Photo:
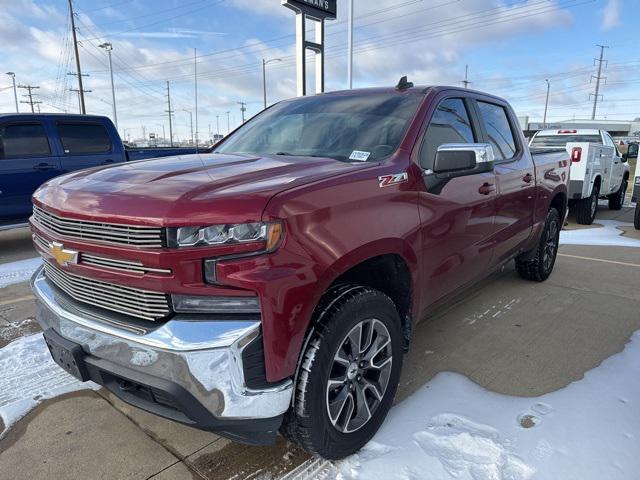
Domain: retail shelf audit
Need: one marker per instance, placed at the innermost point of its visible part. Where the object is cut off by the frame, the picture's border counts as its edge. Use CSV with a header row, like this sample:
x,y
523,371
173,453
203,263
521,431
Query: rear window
x,y
23,140
561,140
84,138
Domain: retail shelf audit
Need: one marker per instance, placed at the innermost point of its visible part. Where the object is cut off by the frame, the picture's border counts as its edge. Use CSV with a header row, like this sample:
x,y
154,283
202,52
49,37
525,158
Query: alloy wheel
x,y
359,375
550,246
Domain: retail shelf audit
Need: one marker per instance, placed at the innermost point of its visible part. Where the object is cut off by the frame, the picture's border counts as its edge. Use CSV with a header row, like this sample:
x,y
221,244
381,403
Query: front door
x,y
84,144
457,217
26,162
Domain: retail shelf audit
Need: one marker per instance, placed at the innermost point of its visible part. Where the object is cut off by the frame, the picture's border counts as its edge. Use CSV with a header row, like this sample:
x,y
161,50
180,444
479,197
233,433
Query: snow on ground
x,y
451,428
608,234
17,272
29,375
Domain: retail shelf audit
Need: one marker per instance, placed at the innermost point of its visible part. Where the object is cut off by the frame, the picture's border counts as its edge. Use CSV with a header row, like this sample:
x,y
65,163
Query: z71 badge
x,y
388,180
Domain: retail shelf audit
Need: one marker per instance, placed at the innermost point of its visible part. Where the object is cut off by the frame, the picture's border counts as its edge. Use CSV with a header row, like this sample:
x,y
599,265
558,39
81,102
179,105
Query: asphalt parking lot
x,y
507,335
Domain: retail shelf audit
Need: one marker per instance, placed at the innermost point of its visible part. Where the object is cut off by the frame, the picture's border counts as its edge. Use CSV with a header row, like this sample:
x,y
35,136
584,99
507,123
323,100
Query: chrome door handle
x,y
486,189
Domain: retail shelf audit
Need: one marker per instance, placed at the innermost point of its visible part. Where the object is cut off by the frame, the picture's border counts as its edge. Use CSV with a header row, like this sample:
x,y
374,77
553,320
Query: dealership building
x,y
617,128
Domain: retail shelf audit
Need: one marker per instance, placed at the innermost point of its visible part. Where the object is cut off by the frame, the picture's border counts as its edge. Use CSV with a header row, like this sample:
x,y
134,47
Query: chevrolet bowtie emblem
x,y
62,255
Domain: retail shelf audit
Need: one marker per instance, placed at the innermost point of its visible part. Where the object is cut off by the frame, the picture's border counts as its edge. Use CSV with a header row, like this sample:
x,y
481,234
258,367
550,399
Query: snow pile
x,y
17,272
608,234
29,375
454,429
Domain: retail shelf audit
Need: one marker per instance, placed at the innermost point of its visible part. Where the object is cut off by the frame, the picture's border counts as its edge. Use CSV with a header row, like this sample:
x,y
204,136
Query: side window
x,y
496,123
450,124
609,141
23,140
87,138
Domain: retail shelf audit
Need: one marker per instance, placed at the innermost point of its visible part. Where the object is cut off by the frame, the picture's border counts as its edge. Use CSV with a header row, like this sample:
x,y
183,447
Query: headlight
x,y
226,234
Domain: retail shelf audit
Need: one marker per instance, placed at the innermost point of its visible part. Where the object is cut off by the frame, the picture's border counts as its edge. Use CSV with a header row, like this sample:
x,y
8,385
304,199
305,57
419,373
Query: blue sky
x,y
511,47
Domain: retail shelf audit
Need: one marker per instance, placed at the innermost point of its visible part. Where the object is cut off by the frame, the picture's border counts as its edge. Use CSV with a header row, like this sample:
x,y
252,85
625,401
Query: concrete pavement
x,y
508,335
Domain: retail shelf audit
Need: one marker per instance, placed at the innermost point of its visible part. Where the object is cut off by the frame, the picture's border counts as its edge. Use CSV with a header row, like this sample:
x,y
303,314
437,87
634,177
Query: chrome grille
x,y
148,237
104,262
126,265
138,303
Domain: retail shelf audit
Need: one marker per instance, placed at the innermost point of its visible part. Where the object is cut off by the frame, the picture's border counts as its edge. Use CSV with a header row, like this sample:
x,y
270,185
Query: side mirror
x,y
625,157
458,159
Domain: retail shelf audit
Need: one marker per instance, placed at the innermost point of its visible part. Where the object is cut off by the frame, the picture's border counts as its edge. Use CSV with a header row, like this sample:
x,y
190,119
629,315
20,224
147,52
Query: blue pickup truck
x,y
37,147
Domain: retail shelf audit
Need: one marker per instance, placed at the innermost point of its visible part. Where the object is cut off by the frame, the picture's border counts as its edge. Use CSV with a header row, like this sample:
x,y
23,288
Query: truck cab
x,y
35,148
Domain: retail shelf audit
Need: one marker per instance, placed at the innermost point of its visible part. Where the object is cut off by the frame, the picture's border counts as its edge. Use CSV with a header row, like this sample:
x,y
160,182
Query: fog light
x,y
202,304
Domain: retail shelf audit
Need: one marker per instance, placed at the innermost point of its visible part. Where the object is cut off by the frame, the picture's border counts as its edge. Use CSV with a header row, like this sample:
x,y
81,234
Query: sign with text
x,y
321,9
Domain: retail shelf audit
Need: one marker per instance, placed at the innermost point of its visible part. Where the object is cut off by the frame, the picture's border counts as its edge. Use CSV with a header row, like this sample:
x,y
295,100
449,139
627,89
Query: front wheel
x,y
617,199
348,374
587,207
538,264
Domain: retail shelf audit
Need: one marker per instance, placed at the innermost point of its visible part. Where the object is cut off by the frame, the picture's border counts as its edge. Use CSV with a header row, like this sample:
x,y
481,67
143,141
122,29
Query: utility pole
x,y
599,77
108,47
350,47
195,74
170,112
546,103
228,123
243,108
31,101
466,81
15,91
75,47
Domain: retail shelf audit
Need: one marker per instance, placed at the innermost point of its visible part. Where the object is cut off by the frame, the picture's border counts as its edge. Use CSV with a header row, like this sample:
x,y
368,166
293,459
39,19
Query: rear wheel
x,y
587,207
617,199
348,375
538,264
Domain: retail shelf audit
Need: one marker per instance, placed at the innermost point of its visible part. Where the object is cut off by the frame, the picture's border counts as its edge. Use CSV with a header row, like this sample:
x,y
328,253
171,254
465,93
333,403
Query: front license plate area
x,y
67,354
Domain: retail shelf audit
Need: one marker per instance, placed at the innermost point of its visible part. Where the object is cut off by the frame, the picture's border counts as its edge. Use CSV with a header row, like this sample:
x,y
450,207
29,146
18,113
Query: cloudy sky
x,y
511,47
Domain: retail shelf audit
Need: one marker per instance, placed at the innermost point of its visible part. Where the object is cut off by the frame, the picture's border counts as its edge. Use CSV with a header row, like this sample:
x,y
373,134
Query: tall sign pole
x,y
318,11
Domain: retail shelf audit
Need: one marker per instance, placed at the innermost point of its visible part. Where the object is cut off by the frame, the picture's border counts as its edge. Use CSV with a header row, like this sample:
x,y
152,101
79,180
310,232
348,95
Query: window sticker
x,y
359,156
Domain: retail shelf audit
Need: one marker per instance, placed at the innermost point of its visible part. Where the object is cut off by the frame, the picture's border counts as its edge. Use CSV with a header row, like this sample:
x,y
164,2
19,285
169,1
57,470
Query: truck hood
x,y
184,190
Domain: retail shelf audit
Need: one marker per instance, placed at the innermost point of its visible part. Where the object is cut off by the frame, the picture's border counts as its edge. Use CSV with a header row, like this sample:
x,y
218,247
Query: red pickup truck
x,y
274,284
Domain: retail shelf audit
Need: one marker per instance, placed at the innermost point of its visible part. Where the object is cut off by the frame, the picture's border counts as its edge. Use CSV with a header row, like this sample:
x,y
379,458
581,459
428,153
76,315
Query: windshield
x,y
561,140
365,127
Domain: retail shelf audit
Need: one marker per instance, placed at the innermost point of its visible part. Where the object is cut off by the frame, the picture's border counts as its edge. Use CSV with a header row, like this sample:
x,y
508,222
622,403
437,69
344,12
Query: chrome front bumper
x,y
201,357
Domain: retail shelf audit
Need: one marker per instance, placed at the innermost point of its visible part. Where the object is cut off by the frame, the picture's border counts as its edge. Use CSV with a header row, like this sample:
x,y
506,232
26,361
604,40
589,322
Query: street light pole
x,y
350,47
15,91
546,103
108,47
264,76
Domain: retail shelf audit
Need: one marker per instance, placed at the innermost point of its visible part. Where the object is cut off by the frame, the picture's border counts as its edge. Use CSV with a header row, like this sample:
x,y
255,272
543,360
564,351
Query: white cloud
x,y
611,14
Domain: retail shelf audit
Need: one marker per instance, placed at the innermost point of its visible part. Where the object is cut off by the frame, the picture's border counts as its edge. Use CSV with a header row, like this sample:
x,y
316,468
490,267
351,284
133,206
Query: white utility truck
x,y
598,170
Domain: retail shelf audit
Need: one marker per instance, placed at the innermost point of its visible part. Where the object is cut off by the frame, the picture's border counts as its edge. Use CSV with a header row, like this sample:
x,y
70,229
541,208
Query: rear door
x,y
26,162
457,215
85,144
515,178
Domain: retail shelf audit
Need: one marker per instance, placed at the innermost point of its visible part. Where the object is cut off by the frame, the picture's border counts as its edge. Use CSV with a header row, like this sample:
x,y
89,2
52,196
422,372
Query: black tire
x,y
587,207
538,264
617,199
320,386
636,217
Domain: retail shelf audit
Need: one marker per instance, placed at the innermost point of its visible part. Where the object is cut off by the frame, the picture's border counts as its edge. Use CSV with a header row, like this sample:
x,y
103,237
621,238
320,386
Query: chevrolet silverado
x,y
273,285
